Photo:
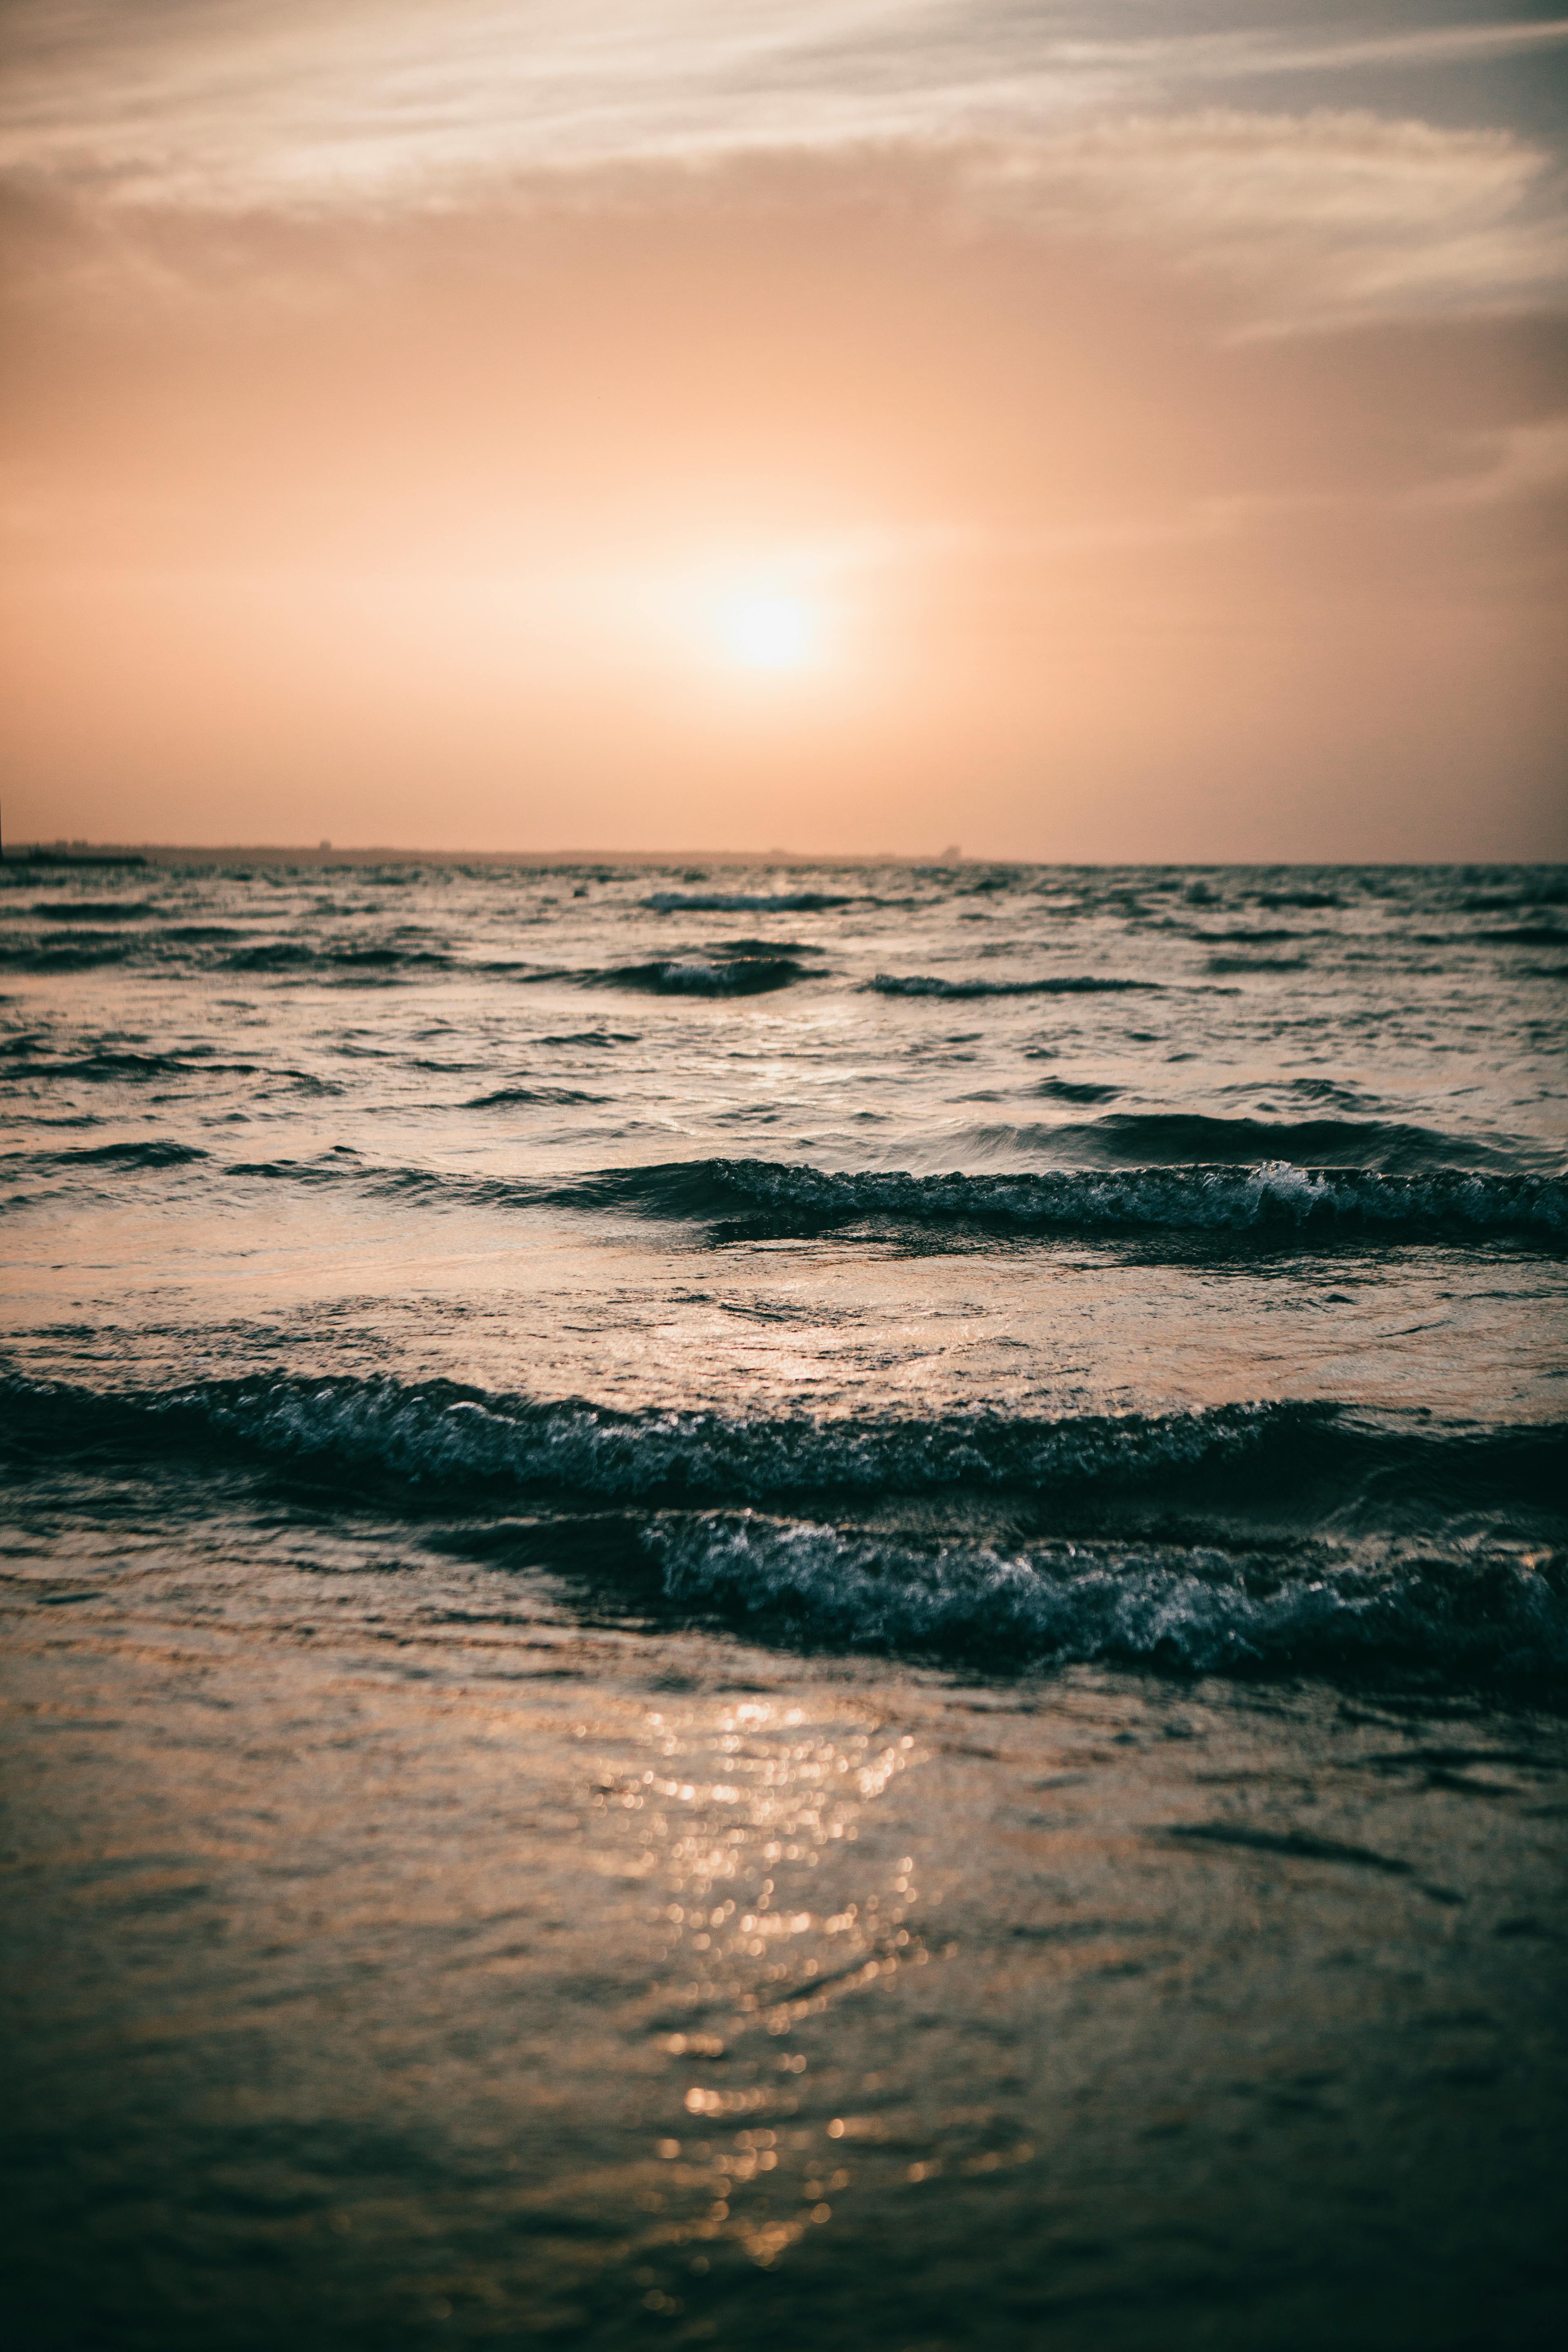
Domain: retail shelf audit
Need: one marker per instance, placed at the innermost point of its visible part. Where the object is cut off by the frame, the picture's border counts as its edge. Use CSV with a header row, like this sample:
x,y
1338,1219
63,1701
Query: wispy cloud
x,y
1318,213
240,100
1319,217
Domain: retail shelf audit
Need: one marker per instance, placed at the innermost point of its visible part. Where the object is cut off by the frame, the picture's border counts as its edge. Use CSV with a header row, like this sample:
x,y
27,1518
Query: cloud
x,y
1320,215
358,424
238,100
1321,218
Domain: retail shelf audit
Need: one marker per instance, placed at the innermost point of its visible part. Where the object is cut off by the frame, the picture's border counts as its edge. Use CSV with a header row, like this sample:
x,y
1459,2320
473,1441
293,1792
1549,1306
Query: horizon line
x,y
79,850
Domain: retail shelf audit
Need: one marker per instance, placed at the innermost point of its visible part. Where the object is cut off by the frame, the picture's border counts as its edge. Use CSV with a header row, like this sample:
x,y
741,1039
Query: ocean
x,y
762,1605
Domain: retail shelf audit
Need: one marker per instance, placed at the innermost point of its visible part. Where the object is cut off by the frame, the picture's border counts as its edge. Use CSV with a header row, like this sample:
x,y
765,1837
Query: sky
x,y
1128,431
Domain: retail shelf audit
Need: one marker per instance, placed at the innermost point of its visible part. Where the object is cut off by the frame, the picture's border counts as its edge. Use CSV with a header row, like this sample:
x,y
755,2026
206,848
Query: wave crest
x,y
1275,1197
734,902
437,1433
1170,1139
921,983
721,975
440,1433
1194,1610
1264,1538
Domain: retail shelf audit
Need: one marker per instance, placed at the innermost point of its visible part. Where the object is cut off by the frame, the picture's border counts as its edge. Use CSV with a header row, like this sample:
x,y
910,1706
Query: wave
x,y
86,951
1077,1090
1275,1537
1249,938
1273,1199
555,1097
751,968
752,947
94,910
1333,1091
1190,1610
888,984
1168,1137
734,902
157,1152
109,1067
602,1037
294,955
78,951
1547,892
719,975
75,859
1303,1460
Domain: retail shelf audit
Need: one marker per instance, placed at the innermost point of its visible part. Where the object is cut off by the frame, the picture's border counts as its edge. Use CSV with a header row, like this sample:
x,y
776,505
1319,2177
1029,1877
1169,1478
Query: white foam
x,y
1186,1608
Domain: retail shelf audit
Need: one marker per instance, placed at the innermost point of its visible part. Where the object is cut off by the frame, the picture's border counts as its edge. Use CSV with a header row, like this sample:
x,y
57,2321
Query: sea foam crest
x,y
435,1433
438,1433
1272,1194
729,975
1197,1611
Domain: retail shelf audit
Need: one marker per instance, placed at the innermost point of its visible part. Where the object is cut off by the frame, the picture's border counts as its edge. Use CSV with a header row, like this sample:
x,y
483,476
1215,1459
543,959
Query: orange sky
x,y
1156,419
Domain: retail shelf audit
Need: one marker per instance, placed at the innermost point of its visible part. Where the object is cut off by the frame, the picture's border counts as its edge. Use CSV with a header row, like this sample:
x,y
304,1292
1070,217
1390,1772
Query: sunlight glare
x,y
766,631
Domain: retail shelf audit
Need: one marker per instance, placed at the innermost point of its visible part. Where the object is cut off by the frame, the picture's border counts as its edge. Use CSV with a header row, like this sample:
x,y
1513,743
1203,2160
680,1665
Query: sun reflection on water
x,y
734,1826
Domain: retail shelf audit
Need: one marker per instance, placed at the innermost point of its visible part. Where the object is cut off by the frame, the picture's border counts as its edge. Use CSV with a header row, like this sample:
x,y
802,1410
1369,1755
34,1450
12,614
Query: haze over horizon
x,y
1126,432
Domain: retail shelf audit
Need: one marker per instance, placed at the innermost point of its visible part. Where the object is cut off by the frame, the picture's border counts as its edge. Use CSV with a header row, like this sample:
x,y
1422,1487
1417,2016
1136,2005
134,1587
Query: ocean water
x,y
760,1606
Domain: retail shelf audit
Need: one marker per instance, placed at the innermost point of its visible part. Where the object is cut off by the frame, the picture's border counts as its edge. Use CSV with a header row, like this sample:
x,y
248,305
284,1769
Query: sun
x,y
768,631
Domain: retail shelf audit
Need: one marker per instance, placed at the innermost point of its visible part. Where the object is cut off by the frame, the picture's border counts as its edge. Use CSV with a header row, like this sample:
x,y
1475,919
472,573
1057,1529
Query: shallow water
x,y
762,1606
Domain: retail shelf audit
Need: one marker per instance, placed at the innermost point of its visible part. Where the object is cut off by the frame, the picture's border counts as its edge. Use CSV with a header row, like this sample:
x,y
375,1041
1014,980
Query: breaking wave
x,y
442,1433
1266,1536
721,975
1275,1197
1196,1609
890,983
1273,1201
